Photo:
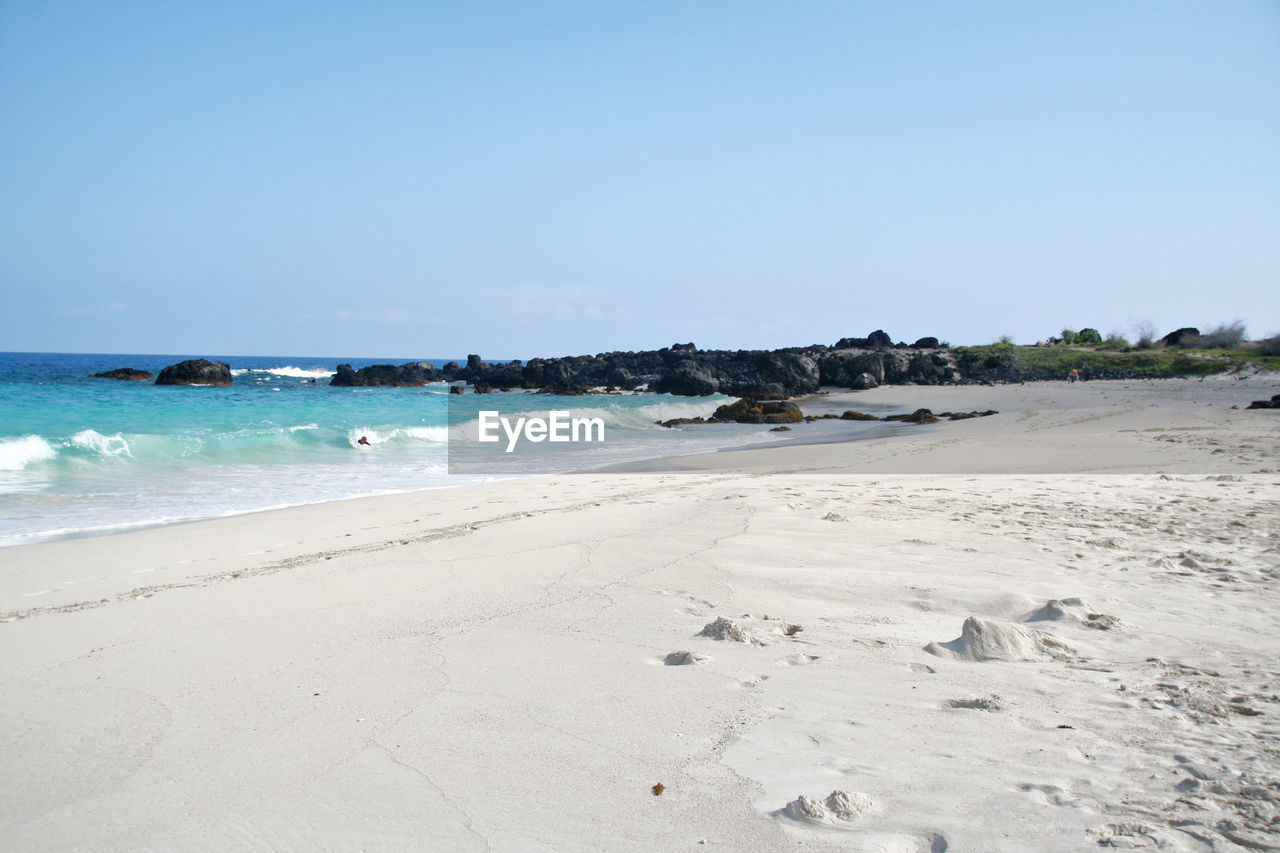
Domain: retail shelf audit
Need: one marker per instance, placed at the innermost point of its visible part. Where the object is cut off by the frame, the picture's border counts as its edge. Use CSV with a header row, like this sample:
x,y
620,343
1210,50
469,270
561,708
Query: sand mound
x,y
983,639
683,658
1074,610
726,630
838,805
1057,609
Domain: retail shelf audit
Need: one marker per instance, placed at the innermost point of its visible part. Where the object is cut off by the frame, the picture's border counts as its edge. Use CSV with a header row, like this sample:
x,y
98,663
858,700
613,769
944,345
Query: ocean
x,y
81,455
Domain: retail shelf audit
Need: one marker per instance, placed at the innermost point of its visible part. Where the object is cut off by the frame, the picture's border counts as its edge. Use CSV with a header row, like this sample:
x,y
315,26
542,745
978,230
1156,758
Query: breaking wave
x,y
88,449
382,437
18,453
286,370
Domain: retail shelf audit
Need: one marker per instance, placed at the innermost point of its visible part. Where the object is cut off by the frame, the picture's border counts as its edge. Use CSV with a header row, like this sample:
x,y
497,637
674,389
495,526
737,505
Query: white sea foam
x,y
110,446
17,453
287,370
437,434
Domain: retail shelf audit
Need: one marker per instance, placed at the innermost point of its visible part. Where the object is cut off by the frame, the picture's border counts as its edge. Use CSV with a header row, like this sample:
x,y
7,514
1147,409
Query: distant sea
x,y
81,456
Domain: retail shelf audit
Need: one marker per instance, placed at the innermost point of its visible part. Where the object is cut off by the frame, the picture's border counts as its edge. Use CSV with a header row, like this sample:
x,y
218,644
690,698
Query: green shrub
x,y
1116,341
1224,336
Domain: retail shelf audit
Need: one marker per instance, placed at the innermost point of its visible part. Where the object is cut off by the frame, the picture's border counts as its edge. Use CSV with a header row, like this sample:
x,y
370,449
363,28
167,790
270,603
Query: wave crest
x,y
17,453
95,443
398,435
287,370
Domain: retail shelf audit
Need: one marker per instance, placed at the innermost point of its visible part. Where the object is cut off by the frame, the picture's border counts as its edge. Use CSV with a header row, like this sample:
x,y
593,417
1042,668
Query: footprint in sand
x,y
797,660
843,810
694,601
1132,835
930,843
984,703
1049,794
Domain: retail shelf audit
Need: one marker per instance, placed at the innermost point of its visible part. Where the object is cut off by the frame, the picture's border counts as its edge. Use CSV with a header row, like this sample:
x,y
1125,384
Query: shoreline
x,y
914,450
882,399
82,515
483,666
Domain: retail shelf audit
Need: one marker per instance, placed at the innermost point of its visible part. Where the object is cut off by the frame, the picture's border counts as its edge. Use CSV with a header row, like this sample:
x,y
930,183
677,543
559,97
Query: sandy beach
x,y
1054,628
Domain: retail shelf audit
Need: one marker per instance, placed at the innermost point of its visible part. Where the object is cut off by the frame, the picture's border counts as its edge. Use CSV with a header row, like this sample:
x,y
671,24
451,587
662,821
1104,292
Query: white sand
x,y
487,668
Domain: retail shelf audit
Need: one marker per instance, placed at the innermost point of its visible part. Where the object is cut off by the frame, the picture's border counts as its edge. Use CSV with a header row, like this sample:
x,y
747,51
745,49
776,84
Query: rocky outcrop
x,y
843,367
963,416
758,412
862,368
126,374
387,375
685,370
687,379
1273,403
196,371
919,416
1184,337
876,339
747,411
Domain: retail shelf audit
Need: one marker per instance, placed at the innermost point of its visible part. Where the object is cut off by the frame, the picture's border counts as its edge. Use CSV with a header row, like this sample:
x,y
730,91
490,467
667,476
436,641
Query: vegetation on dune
x,y
1221,349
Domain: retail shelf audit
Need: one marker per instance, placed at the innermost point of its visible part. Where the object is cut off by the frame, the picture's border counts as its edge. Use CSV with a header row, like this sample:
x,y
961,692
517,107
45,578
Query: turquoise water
x,y
80,455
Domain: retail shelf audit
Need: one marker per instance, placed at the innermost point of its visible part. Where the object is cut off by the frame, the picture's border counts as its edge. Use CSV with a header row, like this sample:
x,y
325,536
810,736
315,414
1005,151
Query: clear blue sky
x,y
544,178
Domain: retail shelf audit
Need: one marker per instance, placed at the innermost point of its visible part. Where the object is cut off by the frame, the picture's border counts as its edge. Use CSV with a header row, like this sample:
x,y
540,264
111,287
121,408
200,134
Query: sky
x,y
514,179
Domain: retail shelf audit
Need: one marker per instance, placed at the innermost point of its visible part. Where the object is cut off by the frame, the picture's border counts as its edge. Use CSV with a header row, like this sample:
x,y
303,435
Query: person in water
x,y
363,440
